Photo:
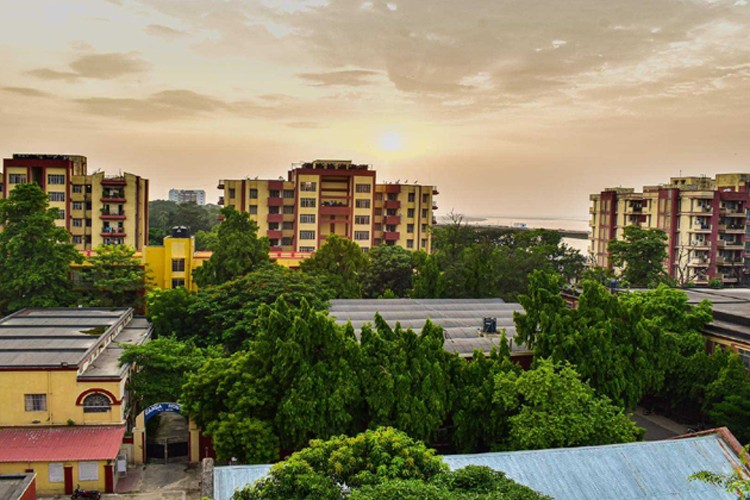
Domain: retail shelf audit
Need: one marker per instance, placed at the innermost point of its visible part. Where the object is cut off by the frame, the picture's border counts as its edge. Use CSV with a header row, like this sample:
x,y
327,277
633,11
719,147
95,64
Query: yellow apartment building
x,y
704,218
95,208
65,399
334,197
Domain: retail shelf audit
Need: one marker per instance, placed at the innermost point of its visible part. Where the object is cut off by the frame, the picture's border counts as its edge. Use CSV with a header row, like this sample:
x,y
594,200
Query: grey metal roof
x,y
107,363
33,338
643,470
461,319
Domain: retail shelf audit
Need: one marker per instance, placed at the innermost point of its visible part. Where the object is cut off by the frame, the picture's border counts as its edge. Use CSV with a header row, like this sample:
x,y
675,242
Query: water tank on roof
x,y
489,325
180,232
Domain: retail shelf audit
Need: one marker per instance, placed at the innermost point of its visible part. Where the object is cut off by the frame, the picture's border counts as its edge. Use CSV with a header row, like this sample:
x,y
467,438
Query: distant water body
x,y
570,224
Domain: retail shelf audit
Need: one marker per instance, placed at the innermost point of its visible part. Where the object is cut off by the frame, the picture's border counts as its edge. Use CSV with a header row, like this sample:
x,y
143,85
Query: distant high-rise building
x,y
326,197
704,218
197,196
95,208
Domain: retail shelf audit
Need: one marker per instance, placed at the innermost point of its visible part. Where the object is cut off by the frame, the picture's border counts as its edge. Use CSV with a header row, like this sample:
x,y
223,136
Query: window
x,y
365,249
425,198
409,243
307,235
274,193
231,192
424,243
424,228
361,235
362,203
288,193
36,402
308,186
252,209
77,188
178,265
378,196
410,213
56,473
362,188
424,213
77,240
287,225
412,197
77,222
77,205
288,209
308,202
56,196
362,219
88,471
307,249
273,210
88,222
286,241
61,214
16,178
96,403
178,283
378,227
307,218
410,228
744,356
253,194
55,179
378,212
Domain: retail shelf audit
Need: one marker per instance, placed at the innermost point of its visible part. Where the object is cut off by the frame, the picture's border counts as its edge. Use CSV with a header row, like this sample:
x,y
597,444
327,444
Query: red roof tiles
x,y
58,444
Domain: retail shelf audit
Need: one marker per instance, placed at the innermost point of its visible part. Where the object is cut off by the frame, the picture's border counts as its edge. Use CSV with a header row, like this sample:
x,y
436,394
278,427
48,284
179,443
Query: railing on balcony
x,y
391,235
392,204
113,232
114,181
275,185
220,185
221,200
392,220
112,215
392,188
275,201
274,234
275,218
334,210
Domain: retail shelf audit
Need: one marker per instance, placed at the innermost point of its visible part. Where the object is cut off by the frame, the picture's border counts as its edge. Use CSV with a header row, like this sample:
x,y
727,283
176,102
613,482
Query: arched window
x,y
96,403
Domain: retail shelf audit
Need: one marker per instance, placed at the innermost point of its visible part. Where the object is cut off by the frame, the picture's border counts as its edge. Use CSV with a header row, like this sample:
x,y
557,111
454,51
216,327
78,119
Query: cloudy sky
x,y
513,107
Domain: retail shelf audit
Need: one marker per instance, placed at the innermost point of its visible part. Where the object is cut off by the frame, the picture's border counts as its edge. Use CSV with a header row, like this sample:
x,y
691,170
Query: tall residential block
x,y
705,220
339,197
197,196
95,208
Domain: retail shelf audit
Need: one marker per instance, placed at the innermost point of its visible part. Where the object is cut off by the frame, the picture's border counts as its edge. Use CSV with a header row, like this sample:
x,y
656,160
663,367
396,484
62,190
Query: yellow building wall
x,y
62,389
308,210
43,485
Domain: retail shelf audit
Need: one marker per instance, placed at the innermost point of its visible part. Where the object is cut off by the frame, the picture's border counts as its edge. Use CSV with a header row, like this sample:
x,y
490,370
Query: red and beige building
x,y
704,219
339,197
95,208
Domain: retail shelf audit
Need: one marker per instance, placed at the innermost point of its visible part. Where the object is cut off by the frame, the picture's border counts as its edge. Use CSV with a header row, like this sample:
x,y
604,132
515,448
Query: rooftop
x,y
13,486
60,444
461,319
85,339
642,470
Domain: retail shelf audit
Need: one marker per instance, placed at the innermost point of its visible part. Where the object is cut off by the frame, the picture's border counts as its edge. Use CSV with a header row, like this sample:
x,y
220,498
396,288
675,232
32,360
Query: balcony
x,y
220,186
274,234
392,220
275,185
107,215
113,233
435,192
392,188
733,229
334,210
434,207
221,200
391,235
114,181
275,201
698,263
275,218
701,228
113,199
392,204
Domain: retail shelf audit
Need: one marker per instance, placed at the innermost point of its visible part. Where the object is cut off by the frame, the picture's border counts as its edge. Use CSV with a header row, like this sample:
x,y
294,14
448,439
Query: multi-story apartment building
x,y
339,197
197,196
704,218
95,208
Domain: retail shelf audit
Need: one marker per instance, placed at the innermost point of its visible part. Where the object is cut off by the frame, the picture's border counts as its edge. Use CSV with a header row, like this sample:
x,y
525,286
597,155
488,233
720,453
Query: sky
x,y
511,107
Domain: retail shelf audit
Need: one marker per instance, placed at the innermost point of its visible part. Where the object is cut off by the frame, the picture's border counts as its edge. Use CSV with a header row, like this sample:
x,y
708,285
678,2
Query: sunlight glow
x,y
390,141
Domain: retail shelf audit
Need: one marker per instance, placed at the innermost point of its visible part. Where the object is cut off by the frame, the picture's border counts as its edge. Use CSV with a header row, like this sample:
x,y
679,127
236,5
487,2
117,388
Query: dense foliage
x,y
35,254
163,215
113,277
640,253
340,263
378,464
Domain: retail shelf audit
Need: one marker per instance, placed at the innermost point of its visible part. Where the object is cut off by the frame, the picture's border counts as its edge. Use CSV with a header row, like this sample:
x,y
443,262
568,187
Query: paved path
x,y
657,426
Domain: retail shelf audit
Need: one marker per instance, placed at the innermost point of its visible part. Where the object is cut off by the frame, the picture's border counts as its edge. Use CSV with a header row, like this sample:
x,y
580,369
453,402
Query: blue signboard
x,y
157,408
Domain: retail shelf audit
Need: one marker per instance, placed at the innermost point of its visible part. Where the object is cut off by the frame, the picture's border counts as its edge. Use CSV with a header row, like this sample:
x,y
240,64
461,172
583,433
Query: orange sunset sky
x,y
517,107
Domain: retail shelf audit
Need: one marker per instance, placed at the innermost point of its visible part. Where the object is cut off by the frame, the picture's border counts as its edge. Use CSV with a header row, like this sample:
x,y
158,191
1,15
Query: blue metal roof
x,y
643,470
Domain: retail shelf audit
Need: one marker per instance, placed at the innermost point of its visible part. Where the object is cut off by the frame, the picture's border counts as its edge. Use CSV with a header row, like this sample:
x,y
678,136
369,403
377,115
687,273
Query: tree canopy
x,y
35,253
641,254
389,270
113,277
238,250
163,215
340,263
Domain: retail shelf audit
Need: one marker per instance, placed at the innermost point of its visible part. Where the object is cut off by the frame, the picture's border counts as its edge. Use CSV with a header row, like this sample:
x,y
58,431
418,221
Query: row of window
x,y
93,403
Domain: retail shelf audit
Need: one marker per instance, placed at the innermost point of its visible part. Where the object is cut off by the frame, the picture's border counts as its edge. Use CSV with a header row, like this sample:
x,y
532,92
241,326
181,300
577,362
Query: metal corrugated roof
x,y
60,444
461,319
644,470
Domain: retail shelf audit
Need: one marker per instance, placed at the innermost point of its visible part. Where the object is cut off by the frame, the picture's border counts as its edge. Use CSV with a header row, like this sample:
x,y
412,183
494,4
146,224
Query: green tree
x,y
727,402
161,368
168,311
238,250
35,254
389,268
558,410
114,277
429,281
641,253
340,263
163,215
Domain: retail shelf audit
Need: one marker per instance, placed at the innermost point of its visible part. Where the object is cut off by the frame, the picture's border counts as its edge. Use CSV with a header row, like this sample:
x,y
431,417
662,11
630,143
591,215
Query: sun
x,y
390,141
